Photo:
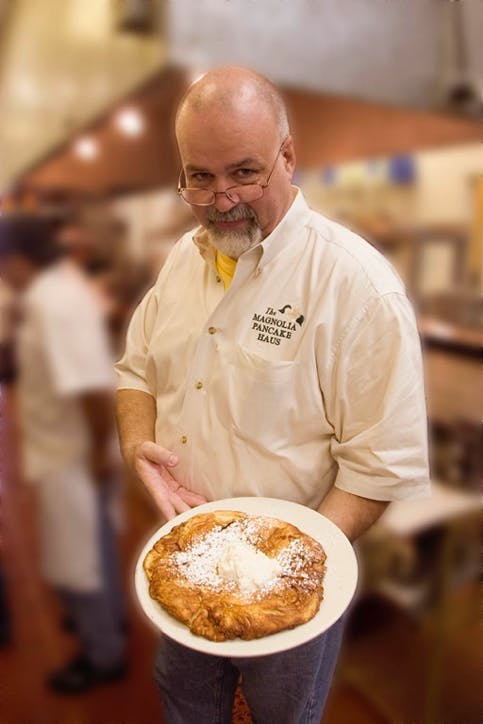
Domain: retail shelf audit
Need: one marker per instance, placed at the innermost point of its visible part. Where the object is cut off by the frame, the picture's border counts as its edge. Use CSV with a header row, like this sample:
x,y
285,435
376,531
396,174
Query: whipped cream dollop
x,y
247,567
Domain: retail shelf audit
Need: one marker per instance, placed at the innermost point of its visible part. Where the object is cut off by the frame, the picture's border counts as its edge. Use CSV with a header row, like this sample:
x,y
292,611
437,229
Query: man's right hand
x,y
153,463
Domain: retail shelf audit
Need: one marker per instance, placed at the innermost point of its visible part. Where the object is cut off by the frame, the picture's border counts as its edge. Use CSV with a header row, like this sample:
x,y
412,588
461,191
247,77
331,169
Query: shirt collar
x,y
285,232
206,249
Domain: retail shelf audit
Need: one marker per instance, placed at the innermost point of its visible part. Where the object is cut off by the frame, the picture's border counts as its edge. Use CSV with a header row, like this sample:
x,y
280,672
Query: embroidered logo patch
x,y
275,325
293,313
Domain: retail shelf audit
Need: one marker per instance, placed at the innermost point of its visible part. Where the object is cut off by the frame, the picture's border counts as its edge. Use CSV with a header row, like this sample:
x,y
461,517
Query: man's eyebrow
x,y
248,161
190,168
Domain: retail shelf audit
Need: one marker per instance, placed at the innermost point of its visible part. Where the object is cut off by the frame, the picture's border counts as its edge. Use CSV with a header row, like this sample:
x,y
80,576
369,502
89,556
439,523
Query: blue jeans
x,y
286,688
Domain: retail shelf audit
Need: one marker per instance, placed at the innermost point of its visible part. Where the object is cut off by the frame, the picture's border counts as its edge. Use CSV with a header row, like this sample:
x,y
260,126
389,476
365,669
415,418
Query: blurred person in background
x,y
66,416
81,245
118,281
277,355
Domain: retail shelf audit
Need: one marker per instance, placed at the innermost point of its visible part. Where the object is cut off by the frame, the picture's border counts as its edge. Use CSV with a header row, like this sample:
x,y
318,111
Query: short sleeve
x,y
77,343
131,368
376,404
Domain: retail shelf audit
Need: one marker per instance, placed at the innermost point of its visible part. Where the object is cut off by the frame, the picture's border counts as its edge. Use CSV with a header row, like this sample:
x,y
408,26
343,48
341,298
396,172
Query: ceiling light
x,y
86,148
130,122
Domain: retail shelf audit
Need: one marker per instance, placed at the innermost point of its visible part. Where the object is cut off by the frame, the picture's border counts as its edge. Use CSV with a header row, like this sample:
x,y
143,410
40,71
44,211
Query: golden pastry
x,y
227,574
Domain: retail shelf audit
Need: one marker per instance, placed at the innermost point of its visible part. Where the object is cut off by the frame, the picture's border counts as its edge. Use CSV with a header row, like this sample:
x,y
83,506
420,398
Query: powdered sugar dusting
x,y
199,562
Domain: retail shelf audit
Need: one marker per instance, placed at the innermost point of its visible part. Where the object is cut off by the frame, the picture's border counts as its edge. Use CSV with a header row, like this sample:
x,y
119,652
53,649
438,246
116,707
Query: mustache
x,y
235,214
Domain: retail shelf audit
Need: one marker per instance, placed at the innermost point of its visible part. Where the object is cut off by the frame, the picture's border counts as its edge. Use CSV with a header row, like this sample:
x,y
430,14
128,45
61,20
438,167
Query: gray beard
x,y
234,243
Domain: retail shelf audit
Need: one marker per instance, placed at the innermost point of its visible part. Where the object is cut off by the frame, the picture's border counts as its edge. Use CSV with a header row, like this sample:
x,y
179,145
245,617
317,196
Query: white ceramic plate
x,y
339,582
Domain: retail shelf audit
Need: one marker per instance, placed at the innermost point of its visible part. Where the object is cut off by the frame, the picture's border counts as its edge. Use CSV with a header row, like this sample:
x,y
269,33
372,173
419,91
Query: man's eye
x,y
246,174
201,177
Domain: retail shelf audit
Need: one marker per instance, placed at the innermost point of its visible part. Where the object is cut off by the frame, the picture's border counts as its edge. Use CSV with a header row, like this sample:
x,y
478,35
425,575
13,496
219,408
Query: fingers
x,y
170,507
164,506
178,504
169,495
168,501
158,454
192,499
189,496
156,488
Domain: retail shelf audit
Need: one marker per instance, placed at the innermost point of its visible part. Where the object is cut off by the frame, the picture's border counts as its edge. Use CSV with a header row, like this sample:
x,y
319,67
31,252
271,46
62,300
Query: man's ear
x,y
288,155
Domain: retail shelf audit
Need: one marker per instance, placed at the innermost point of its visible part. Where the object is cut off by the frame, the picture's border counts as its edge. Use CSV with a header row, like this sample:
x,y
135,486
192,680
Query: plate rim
x,y
236,648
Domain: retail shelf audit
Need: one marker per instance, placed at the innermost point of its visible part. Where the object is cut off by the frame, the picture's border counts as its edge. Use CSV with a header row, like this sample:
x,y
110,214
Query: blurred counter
x,y
452,386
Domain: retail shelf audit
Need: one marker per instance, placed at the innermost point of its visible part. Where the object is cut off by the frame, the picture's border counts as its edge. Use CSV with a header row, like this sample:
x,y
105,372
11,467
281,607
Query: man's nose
x,y
223,203
222,200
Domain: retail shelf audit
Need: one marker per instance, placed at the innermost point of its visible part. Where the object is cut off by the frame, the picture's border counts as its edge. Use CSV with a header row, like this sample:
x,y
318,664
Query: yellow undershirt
x,y
225,266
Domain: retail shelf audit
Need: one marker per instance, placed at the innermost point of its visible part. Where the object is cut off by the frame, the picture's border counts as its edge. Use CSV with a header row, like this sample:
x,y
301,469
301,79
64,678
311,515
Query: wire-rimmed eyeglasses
x,y
236,194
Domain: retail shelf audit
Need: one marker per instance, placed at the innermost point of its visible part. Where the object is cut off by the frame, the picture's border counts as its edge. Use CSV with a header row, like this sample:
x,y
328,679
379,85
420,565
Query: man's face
x,y
220,150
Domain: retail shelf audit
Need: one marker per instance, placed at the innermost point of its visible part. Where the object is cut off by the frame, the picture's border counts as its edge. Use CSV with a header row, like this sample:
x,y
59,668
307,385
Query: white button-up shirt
x,y
305,374
63,351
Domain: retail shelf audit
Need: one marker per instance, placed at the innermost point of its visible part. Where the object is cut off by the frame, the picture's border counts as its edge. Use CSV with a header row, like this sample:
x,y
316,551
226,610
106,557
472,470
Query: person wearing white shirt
x,y
65,382
277,355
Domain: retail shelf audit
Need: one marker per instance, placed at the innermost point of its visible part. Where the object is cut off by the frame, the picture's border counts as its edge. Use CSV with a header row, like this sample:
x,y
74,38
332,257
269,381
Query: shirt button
x,y
212,330
258,271
184,439
199,385
218,279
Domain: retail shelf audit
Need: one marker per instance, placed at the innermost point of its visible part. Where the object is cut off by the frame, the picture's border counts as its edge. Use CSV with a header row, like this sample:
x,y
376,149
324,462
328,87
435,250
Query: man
x,y
66,415
277,355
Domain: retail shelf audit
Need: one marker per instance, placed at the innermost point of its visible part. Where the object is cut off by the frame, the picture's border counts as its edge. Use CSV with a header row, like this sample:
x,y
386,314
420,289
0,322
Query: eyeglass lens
x,y
236,194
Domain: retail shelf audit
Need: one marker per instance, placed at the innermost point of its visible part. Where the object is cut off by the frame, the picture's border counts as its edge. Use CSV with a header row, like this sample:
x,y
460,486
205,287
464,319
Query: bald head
x,y
231,90
232,133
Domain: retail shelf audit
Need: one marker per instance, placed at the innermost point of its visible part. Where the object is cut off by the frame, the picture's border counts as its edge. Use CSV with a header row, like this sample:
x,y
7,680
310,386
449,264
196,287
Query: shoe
x,y
80,675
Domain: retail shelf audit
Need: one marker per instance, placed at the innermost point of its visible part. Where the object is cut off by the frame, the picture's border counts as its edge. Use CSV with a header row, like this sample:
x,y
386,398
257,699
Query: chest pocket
x,y
262,397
